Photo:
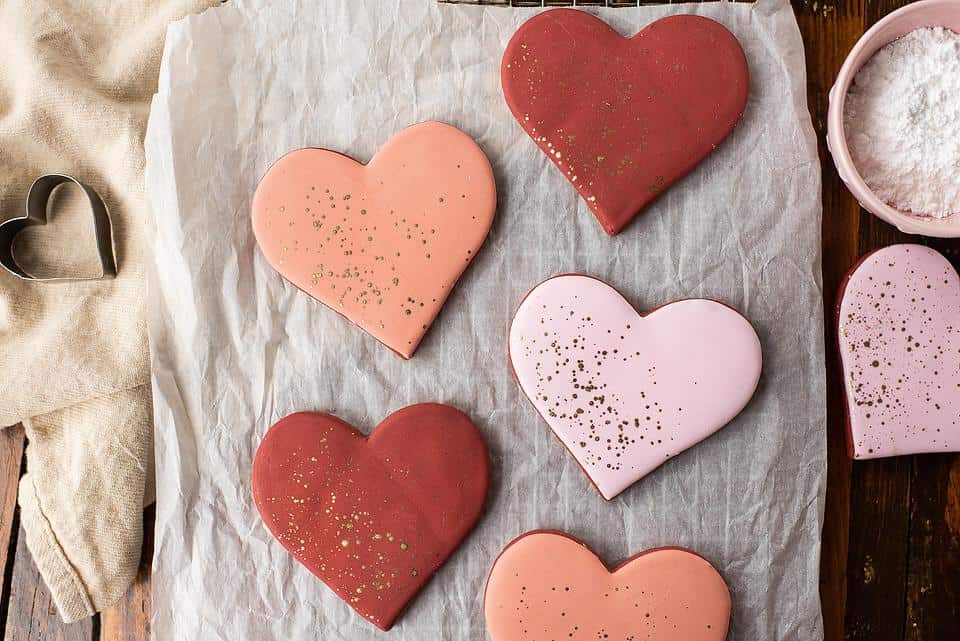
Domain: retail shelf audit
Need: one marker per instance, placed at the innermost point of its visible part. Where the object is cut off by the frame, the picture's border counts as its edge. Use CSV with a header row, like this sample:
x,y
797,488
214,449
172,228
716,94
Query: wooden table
x,y
891,543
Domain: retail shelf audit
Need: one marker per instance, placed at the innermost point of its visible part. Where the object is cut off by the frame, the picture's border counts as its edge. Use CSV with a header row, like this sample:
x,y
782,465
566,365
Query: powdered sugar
x,y
902,122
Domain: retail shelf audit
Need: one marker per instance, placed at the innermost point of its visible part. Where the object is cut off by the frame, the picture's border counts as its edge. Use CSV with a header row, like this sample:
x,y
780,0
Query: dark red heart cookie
x,y
624,118
373,517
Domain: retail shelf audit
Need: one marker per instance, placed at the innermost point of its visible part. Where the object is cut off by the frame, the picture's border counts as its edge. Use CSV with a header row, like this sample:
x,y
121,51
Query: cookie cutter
x,y
38,197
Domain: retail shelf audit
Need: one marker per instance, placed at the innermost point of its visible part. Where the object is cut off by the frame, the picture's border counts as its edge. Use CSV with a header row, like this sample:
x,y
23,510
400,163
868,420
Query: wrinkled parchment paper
x,y
236,348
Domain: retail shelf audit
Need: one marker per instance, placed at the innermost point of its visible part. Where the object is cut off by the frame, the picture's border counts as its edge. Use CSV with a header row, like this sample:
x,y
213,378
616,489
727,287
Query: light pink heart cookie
x,y
624,392
547,585
899,336
382,243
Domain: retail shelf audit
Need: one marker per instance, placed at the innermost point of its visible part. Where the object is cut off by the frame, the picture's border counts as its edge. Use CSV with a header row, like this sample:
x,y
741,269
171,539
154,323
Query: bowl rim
x,y
946,227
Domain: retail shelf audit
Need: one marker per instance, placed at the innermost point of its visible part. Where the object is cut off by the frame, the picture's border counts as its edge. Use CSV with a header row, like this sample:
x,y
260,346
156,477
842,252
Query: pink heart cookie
x,y
899,337
383,243
547,585
624,392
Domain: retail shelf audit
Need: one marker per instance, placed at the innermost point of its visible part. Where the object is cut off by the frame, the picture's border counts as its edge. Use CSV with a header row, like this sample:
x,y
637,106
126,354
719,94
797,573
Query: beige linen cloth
x,y
76,79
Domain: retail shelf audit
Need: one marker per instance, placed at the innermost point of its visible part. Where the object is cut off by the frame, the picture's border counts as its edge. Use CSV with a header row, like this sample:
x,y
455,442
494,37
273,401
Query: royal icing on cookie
x,y
547,586
625,392
899,336
382,243
624,118
374,517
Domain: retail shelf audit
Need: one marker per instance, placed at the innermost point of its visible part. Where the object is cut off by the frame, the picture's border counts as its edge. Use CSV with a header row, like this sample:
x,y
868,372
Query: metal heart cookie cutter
x,y
37,200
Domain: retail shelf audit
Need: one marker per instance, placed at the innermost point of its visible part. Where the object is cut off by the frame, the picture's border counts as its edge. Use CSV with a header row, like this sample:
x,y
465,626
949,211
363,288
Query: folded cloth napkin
x,y
75,90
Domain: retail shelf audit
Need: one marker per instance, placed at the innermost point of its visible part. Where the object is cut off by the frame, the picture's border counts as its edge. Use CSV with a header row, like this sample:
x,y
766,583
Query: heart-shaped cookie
x,y
625,392
383,243
624,118
547,585
899,336
374,517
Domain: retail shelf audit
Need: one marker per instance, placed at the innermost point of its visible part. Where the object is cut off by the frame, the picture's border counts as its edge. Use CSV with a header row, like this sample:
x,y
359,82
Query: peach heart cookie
x,y
624,118
622,391
547,585
382,243
899,336
374,517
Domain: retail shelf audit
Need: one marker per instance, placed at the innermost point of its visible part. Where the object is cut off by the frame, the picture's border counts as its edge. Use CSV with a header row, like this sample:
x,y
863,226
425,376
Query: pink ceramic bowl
x,y
929,13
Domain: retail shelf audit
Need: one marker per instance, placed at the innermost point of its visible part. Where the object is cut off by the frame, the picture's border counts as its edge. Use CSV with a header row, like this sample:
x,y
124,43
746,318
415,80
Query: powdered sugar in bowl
x,y
894,135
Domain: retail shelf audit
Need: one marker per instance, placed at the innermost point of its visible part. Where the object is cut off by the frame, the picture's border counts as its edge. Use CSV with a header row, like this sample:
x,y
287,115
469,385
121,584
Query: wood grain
x,y
933,587
32,614
11,459
129,620
829,31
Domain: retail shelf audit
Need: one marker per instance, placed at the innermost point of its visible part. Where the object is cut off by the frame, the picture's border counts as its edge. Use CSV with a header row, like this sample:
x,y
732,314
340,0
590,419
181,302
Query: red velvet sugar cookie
x,y
382,243
547,585
624,118
373,517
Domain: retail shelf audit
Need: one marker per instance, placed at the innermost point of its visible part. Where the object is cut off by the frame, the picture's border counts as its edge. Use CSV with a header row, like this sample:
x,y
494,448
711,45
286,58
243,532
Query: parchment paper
x,y
236,348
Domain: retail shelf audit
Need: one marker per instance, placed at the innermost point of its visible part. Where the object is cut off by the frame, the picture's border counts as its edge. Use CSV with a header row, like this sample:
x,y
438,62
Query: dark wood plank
x,y
829,31
933,586
877,552
32,615
129,620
